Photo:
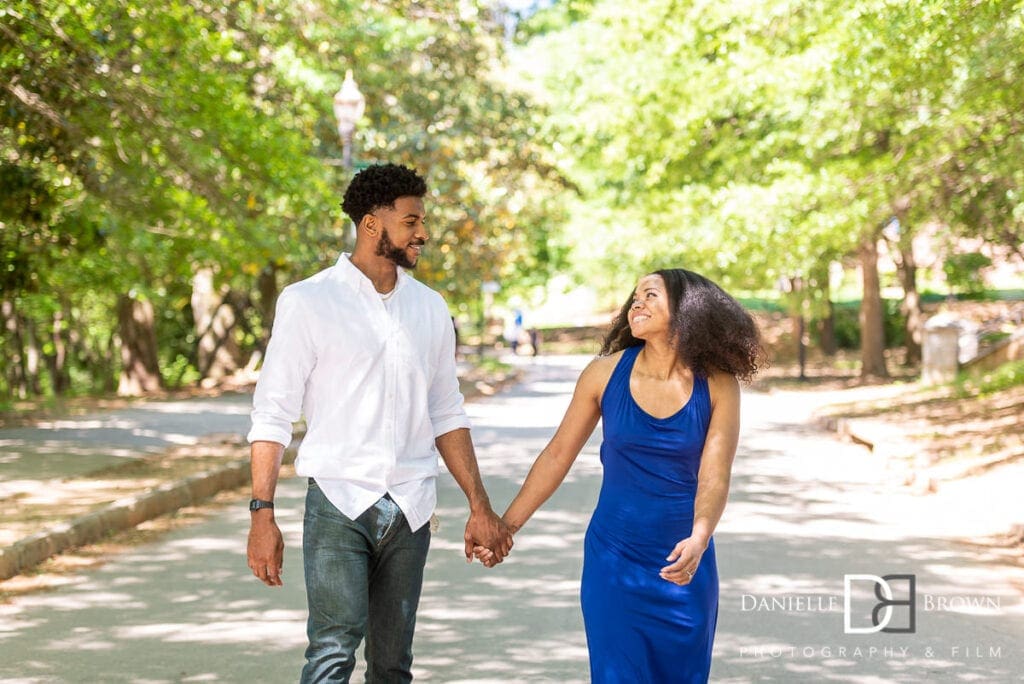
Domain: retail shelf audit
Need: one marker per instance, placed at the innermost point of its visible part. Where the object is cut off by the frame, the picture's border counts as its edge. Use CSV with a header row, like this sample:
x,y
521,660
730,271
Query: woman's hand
x,y
685,558
486,556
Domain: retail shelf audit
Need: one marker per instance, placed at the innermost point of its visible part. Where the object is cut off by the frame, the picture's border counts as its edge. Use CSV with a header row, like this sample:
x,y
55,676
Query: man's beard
x,y
398,255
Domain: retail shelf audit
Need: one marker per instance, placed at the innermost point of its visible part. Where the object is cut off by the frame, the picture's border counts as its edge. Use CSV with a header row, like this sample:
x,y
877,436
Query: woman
x,y
666,387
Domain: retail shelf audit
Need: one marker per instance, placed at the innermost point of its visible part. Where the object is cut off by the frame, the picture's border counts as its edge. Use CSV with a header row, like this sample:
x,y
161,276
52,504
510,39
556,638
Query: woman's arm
x,y
553,463
712,479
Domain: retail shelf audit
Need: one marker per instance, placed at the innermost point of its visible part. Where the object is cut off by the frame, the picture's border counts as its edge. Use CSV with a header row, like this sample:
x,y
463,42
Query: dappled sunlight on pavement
x,y
805,510
184,609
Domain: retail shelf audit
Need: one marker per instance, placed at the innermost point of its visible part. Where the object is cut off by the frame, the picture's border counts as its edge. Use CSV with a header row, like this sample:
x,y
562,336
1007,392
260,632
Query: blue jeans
x,y
363,577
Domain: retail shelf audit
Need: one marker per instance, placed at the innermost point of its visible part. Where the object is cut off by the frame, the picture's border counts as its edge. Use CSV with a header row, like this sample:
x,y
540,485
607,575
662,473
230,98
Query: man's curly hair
x,y
379,186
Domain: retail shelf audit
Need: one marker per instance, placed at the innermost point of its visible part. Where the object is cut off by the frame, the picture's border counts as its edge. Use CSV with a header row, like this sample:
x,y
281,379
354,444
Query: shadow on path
x,y
805,510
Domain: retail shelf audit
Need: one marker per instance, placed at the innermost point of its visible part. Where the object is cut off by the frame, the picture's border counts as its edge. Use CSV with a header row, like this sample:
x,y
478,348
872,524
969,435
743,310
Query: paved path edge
x,y
125,513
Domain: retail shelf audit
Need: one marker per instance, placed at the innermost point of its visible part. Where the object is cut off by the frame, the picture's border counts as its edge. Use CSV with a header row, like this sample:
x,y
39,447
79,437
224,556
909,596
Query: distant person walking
x,y
666,391
514,330
367,354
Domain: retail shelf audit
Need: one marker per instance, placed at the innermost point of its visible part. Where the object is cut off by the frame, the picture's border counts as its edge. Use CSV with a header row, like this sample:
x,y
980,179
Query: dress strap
x,y
624,368
618,383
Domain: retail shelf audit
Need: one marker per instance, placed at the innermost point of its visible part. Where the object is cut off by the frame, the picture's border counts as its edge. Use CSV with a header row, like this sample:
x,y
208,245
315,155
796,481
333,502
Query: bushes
x,y
963,273
1002,378
847,325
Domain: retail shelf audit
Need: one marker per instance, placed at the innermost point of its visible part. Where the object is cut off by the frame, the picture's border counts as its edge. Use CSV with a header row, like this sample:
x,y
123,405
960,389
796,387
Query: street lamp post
x,y
349,105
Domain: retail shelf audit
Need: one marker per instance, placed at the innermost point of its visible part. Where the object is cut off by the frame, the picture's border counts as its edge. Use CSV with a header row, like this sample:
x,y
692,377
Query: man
x,y
367,354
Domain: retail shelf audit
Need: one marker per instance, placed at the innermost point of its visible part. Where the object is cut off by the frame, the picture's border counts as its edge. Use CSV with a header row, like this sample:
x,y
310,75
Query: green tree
x,y
147,149
757,141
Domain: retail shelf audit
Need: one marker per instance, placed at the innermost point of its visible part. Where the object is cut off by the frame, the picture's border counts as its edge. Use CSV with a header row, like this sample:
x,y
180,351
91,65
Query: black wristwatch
x,y
257,504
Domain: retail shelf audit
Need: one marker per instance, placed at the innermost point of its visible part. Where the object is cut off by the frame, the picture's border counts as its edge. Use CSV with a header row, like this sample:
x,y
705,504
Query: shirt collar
x,y
352,276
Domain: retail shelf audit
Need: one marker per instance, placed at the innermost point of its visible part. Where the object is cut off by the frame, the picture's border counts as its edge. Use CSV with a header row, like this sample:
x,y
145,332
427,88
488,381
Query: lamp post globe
x,y
349,105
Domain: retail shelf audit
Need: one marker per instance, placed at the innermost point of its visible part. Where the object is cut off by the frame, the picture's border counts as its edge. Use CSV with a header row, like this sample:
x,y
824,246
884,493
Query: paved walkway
x,y
805,510
72,446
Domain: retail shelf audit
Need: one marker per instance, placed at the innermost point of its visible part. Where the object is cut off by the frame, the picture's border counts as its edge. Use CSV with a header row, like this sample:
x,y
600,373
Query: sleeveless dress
x,y
641,628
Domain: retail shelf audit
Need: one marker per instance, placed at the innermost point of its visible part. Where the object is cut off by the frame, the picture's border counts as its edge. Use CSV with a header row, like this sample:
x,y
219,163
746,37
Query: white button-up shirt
x,y
376,383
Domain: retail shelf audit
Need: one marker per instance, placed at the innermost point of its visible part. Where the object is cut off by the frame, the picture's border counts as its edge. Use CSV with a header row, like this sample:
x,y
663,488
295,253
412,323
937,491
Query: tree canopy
x,y
142,143
176,160
756,139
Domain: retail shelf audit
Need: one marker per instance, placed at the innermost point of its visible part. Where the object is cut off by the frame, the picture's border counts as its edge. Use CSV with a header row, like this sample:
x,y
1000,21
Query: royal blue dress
x,y
641,628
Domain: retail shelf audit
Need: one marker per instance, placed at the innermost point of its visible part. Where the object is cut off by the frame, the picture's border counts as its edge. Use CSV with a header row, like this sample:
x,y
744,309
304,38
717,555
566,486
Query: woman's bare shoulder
x,y
723,386
597,373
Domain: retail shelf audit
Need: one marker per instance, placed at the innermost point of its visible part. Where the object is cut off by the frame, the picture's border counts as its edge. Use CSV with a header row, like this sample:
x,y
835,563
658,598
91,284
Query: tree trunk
x,y
266,284
911,306
33,355
800,323
108,363
15,351
827,328
872,331
215,320
826,325
140,368
57,361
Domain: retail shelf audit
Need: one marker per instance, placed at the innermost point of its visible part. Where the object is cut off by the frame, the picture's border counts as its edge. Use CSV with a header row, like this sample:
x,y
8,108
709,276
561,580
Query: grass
x,y
762,304
489,364
1005,377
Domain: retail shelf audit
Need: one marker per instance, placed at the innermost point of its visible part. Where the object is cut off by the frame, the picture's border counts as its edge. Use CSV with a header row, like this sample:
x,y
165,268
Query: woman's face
x,y
649,313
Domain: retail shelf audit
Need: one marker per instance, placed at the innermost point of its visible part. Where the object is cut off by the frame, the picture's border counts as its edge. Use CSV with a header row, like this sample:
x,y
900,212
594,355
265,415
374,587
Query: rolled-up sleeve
x,y
291,356
444,397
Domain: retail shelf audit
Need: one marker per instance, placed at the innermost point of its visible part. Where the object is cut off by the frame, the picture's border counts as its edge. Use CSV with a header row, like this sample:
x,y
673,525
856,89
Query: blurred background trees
x,y
764,142
165,169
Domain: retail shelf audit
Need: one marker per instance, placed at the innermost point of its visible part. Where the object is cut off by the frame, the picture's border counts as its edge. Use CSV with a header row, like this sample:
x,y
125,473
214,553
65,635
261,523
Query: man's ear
x,y
370,225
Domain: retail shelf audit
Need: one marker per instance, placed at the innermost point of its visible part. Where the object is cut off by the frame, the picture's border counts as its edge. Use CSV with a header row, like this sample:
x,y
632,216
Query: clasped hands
x,y
485,531
489,555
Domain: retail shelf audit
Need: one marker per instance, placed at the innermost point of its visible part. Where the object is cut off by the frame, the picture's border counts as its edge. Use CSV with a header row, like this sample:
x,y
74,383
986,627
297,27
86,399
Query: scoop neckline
x,y
641,409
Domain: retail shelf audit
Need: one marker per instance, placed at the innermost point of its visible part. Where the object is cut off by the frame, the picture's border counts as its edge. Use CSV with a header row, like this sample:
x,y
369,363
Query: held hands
x,y
487,557
486,530
685,558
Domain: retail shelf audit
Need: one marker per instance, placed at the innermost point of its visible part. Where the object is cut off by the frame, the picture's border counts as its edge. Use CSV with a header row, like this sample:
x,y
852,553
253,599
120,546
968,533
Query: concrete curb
x,y
131,511
126,513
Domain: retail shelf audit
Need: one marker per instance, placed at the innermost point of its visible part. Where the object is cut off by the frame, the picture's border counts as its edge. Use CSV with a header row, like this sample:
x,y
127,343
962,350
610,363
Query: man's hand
x,y
486,529
266,548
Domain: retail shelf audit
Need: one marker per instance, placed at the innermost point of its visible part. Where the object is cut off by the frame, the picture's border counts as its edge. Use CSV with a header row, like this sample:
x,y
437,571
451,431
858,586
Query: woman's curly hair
x,y
712,331
379,186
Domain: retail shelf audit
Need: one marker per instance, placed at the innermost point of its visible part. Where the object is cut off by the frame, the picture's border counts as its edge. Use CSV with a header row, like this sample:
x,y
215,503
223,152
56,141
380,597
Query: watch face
x,y
256,504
